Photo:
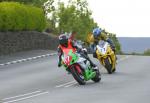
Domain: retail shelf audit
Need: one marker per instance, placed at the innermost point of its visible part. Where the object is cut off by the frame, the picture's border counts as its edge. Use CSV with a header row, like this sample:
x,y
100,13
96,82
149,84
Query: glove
x,y
59,64
85,51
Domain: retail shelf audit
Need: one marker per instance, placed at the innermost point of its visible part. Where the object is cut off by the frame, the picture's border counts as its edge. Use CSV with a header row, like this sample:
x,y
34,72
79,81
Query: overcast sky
x,y
126,18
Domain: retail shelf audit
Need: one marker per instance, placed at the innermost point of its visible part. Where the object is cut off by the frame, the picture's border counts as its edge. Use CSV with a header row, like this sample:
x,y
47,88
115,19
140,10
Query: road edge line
x,y
27,59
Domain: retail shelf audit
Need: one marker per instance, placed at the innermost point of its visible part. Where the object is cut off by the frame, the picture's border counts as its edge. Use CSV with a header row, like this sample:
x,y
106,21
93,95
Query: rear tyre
x,y
108,66
77,76
97,78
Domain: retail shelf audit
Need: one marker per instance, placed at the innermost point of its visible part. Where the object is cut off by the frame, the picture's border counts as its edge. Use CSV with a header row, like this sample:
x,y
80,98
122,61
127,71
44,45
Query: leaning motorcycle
x,y
106,56
79,67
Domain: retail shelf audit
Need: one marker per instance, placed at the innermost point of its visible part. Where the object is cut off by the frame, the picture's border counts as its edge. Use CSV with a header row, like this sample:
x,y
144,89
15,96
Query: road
x,y
41,81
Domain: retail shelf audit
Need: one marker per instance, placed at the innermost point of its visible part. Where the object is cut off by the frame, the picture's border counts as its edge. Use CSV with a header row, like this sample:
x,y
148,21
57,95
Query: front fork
x,y
87,73
112,60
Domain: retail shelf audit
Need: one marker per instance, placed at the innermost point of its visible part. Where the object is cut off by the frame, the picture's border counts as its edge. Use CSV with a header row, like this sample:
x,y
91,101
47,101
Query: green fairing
x,y
88,73
74,58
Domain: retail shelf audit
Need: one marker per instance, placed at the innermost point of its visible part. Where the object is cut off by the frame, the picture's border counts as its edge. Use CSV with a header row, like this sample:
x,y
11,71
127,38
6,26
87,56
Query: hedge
x,y
19,17
147,52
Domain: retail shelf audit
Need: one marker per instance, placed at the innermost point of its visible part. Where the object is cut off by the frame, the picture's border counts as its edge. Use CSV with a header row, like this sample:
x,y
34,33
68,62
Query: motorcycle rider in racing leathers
x,y
99,34
64,42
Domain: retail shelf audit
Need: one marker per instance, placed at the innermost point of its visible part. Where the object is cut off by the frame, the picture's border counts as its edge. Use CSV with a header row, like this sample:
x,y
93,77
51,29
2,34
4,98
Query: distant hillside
x,y
134,44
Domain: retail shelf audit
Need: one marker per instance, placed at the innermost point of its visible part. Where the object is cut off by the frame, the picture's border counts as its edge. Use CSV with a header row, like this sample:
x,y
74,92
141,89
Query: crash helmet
x,y
96,32
63,40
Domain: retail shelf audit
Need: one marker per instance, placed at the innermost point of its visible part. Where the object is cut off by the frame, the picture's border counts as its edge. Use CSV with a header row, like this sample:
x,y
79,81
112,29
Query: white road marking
x,y
8,63
30,58
26,97
71,84
61,85
14,61
39,56
23,59
34,57
21,95
2,64
122,59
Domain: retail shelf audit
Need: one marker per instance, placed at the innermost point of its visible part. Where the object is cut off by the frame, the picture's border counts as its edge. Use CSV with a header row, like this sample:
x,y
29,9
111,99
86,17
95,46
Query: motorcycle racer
x,y
65,42
99,34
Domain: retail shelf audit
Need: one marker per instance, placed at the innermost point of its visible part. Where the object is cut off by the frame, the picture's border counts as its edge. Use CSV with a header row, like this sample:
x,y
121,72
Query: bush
x,y
19,17
147,52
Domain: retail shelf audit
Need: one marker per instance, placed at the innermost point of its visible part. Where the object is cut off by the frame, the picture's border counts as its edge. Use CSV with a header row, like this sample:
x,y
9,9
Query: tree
x,y
75,16
116,42
147,52
38,3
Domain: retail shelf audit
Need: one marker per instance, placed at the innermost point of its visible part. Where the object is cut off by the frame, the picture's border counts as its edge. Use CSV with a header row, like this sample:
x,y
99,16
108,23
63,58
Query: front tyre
x,y
77,76
97,77
114,70
108,66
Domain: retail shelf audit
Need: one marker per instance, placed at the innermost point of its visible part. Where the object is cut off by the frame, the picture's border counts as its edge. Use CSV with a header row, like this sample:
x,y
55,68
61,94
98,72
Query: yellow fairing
x,y
109,54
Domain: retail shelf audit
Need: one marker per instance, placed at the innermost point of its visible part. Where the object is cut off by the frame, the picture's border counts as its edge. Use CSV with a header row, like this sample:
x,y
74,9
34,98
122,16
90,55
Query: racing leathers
x,y
74,47
104,37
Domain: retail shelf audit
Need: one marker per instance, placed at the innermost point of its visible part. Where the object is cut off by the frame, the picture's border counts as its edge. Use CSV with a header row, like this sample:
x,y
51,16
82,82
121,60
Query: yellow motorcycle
x,y
106,56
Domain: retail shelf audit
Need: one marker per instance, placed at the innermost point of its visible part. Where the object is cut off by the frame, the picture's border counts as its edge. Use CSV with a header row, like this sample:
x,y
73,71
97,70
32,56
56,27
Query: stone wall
x,y
11,42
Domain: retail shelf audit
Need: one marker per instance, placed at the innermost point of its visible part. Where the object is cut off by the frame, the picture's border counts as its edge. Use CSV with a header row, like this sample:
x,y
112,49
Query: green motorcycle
x,y
79,67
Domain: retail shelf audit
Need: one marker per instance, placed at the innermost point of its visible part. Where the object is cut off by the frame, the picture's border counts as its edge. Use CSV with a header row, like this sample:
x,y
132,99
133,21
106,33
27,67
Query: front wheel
x,y
97,77
77,76
108,66
114,70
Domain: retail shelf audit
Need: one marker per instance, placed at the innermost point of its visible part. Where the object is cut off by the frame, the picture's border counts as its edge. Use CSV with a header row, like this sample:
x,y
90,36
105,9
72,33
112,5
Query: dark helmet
x,y
96,32
63,40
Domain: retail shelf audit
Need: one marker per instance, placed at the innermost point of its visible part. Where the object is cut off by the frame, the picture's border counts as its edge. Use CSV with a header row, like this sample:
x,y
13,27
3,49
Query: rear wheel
x,y
108,66
97,77
77,76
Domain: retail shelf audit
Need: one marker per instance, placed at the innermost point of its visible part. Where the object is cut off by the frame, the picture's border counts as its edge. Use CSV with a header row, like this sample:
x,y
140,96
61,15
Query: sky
x,y
126,18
